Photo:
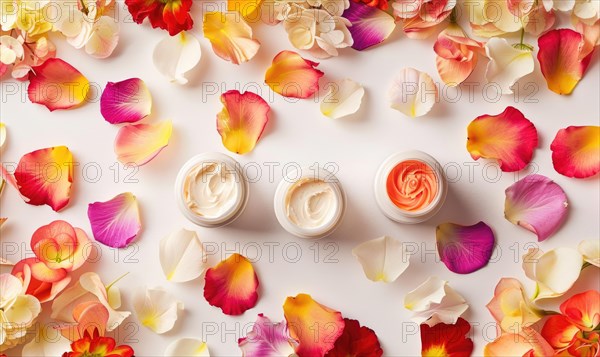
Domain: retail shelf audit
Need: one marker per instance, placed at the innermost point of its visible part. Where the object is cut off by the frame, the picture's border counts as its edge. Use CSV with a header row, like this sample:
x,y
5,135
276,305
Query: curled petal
x,y
537,204
173,56
555,271
156,309
412,92
525,343
435,301
446,339
57,85
60,245
316,327
559,331
508,137
45,176
465,249
583,309
40,281
267,339
382,259
127,101
356,340
562,59
370,25
230,36
576,151
456,55
104,37
91,317
116,222
242,120
343,98
590,250
232,285
138,144
293,76
507,64
510,306
182,257
187,347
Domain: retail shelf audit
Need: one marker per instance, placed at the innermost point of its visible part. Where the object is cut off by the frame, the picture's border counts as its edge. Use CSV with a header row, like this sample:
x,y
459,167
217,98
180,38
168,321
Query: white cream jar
x,y
410,187
312,205
211,189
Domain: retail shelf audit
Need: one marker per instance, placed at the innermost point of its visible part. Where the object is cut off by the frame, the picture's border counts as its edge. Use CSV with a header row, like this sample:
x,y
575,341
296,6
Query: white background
x,y
298,133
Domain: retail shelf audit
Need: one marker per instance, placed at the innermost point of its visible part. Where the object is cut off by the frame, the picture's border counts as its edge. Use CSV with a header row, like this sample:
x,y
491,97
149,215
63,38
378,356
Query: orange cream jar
x,y
410,187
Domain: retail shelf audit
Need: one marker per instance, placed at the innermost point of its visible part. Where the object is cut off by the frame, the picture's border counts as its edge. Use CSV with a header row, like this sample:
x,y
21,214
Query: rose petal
x,y
182,257
267,339
343,98
511,307
104,37
242,120
356,341
232,285
138,144
412,92
45,176
435,301
293,76
173,56
527,343
90,319
156,309
249,9
507,64
383,259
187,347
127,101
370,25
562,60
40,281
555,271
316,327
116,222
583,309
446,339
590,250
576,151
57,85
60,246
559,331
230,36
465,249
508,137
537,204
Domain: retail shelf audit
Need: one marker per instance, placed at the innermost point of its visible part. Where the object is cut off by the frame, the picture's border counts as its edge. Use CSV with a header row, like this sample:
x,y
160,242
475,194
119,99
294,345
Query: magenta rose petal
x,y
116,222
465,249
537,204
370,25
127,101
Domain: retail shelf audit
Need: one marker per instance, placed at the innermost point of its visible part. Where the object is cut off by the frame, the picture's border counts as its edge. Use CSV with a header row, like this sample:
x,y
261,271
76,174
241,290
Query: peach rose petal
x,y
537,204
508,137
116,222
91,317
316,327
412,92
456,55
230,36
39,280
232,285
526,343
57,85
45,176
293,76
126,101
576,151
138,144
562,59
242,120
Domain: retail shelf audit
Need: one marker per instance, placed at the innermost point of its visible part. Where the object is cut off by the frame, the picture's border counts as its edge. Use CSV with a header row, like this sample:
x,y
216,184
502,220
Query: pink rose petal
x,y
127,101
115,223
267,339
465,249
537,204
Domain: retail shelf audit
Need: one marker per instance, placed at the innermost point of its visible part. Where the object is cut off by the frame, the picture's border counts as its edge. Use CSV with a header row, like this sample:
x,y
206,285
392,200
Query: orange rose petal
x,y
39,280
576,151
57,85
562,59
45,176
508,137
242,120
316,327
559,331
91,318
230,36
293,76
232,285
583,309
140,143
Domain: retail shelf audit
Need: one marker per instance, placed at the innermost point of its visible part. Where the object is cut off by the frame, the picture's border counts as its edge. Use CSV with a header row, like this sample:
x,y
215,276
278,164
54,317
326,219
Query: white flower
x,y
18,311
554,272
507,64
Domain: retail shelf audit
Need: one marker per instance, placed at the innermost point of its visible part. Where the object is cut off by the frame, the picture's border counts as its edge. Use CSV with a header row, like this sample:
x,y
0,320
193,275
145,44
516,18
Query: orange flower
x,y
456,55
60,245
98,347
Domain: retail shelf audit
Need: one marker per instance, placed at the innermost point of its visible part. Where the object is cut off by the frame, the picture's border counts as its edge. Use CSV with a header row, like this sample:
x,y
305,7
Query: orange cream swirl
x,y
412,185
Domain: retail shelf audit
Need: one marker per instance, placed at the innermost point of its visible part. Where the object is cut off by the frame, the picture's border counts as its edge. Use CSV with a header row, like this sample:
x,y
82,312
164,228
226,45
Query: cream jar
x,y
312,205
410,187
211,189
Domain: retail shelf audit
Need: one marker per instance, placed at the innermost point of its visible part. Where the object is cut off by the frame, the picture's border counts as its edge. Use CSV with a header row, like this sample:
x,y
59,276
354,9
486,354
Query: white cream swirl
x,y
310,203
210,189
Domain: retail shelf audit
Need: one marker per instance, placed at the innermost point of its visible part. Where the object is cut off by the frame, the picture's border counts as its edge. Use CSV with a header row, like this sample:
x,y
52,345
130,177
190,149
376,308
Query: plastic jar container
x,y
410,187
312,205
211,189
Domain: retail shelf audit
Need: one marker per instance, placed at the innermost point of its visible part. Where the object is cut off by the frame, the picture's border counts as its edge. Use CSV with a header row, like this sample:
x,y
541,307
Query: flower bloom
x,y
18,311
171,15
456,55
421,17
510,307
98,346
